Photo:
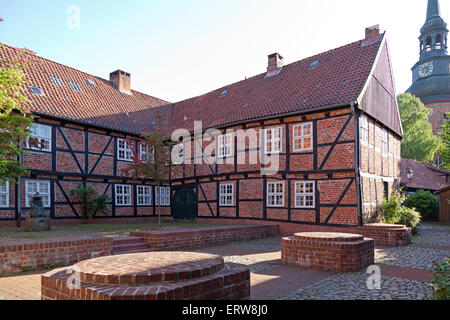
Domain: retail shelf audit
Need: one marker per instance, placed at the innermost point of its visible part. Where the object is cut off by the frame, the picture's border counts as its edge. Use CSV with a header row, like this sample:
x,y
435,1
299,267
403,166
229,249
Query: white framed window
x,y
41,137
32,187
178,154
4,194
303,137
144,195
224,145
162,198
226,194
305,194
364,128
123,195
275,194
144,154
124,151
384,141
272,140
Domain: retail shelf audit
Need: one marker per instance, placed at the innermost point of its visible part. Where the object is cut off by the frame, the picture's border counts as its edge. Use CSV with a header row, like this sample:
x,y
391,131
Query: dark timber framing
x,y
87,174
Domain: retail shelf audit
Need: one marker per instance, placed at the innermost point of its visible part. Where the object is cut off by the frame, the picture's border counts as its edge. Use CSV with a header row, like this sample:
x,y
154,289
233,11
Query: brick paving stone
x,y
410,257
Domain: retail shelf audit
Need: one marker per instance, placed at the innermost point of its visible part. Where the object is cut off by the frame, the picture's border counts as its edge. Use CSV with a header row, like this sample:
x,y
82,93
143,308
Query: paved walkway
x,y
404,272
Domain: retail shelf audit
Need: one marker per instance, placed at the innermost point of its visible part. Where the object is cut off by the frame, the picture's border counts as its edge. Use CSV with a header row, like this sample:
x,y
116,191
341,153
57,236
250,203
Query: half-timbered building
x,y
328,124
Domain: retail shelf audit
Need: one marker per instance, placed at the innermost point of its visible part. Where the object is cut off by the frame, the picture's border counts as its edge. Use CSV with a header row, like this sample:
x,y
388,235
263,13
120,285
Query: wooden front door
x,y
184,205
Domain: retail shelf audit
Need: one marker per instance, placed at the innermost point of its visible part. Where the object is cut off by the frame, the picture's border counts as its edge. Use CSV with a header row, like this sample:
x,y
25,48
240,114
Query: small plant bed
x,y
105,230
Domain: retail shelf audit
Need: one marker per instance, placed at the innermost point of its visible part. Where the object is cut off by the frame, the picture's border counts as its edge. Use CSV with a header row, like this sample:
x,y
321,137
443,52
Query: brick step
x,y
130,246
127,240
114,253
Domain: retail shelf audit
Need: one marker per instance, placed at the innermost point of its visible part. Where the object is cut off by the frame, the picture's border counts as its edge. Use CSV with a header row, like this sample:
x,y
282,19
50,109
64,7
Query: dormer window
x,y
37,91
74,86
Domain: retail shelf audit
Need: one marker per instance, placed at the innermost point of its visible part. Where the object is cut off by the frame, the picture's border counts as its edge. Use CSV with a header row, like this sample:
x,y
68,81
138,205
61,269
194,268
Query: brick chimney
x,y
372,34
275,64
121,80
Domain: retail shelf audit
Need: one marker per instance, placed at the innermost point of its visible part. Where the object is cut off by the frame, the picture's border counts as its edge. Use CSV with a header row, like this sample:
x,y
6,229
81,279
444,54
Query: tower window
x,y
439,41
428,46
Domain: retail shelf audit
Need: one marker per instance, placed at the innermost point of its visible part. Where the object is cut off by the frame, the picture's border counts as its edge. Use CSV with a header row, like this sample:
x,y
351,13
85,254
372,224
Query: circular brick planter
x,y
150,275
340,252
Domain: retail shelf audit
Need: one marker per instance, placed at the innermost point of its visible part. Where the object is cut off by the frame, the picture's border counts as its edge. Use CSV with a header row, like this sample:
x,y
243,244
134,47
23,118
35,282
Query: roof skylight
x,y
224,93
314,64
91,82
57,80
37,91
74,86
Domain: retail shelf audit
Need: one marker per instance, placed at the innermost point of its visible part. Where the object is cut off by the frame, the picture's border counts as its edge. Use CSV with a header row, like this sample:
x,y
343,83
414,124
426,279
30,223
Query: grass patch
x,y
100,229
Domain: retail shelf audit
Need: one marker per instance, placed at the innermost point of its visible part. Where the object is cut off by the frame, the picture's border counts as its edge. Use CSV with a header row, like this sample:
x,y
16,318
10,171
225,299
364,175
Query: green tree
x,y
445,135
91,203
419,143
424,202
15,120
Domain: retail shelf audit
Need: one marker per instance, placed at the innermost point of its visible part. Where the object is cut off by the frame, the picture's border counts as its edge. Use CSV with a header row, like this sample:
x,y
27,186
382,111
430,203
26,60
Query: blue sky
x,y
179,49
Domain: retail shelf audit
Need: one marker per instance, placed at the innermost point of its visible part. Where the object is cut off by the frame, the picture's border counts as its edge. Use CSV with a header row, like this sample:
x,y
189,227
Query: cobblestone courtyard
x,y
404,272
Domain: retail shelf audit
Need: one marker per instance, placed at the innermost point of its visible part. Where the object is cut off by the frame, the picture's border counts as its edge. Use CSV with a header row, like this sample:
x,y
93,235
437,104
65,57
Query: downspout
x,y
18,190
357,163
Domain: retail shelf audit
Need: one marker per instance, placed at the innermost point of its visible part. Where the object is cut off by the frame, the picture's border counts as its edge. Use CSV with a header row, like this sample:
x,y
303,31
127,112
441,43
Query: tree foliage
x,y
156,164
424,202
445,135
394,211
91,202
419,143
15,120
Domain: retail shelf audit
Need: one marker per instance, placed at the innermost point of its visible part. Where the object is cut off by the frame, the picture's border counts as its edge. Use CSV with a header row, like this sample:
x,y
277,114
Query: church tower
x,y
431,74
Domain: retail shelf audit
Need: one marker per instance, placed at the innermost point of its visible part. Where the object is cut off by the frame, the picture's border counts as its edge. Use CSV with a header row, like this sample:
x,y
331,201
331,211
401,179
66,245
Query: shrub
x,y
424,202
394,211
441,281
90,201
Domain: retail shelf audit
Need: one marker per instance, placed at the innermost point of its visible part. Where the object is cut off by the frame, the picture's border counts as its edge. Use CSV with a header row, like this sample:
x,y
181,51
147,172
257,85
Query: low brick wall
x,y
149,276
17,255
177,238
338,252
383,234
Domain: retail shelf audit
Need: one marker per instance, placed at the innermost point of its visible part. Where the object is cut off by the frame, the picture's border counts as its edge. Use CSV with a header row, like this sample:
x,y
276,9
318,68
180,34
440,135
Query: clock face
x,y
426,69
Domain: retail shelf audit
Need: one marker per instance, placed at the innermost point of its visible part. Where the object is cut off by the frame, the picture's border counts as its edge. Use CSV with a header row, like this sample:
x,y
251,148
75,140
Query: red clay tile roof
x,y
296,88
101,105
426,176
338,79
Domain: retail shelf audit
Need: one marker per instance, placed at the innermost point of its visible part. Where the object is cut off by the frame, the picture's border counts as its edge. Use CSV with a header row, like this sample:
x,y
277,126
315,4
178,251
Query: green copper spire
x,y
433,9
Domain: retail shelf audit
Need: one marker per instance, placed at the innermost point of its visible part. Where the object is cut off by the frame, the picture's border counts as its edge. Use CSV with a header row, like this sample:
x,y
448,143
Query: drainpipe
x,y
357,163
18,191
